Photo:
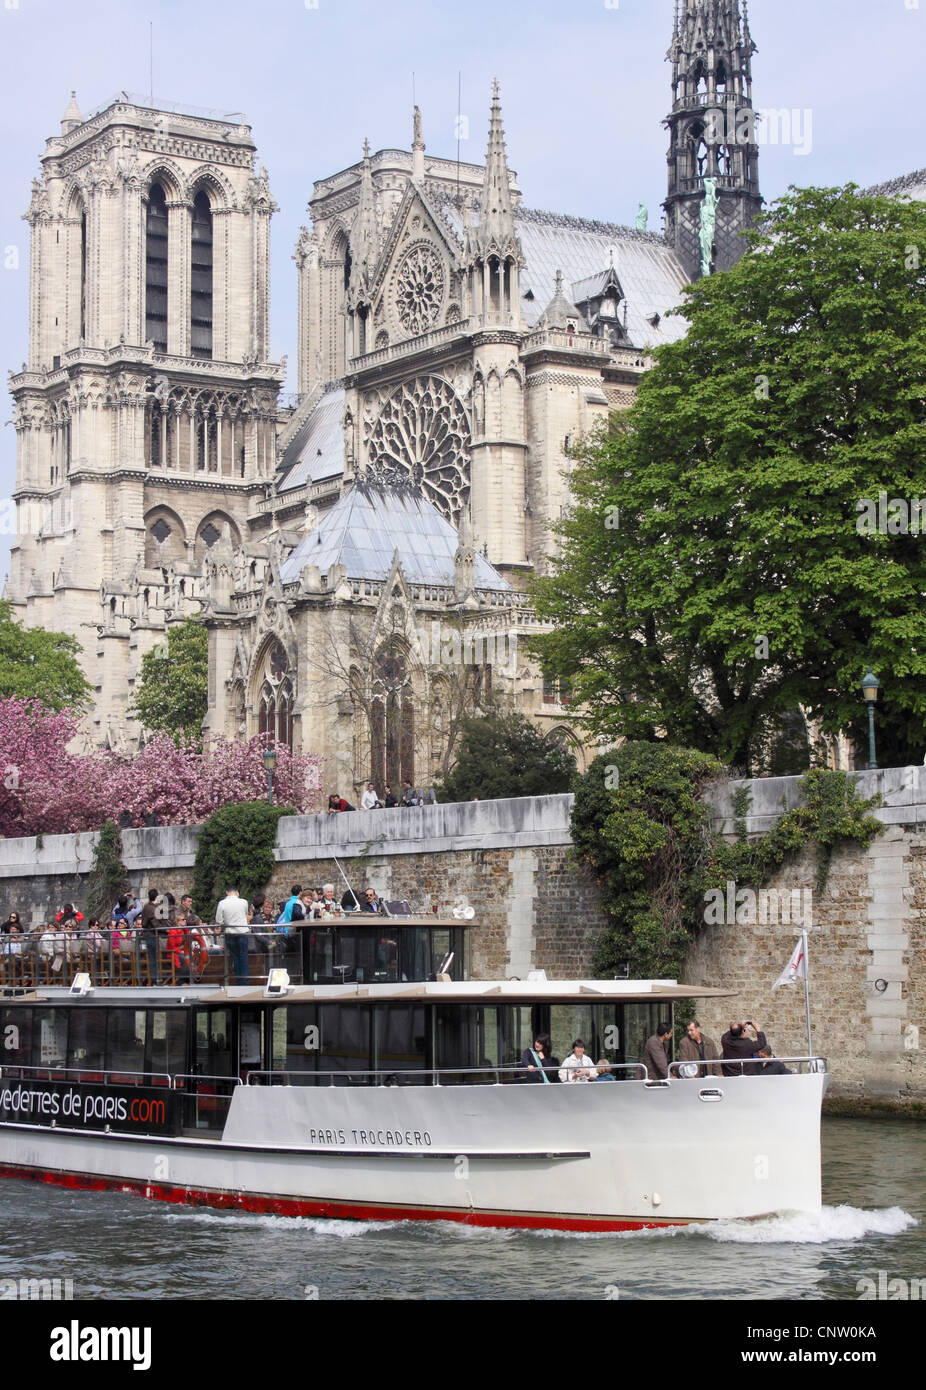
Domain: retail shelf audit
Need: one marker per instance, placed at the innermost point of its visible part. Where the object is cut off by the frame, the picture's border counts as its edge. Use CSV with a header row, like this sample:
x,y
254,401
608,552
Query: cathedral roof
x,y
651,274
317,451
905,185
365,528
559,312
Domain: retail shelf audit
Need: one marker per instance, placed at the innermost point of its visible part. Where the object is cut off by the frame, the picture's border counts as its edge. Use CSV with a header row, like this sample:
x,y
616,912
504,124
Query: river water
x,y
111,1246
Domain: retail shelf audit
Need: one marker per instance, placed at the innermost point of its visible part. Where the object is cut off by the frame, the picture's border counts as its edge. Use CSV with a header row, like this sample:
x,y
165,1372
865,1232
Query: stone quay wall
x,y
536,909
509,860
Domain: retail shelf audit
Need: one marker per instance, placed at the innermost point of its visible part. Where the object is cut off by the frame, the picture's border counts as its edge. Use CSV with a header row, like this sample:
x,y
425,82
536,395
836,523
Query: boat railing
x,y
740,1066
486,1075
91,1076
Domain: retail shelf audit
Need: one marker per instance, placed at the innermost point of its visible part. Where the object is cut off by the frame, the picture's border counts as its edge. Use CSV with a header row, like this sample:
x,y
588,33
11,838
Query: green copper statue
x,y
708,220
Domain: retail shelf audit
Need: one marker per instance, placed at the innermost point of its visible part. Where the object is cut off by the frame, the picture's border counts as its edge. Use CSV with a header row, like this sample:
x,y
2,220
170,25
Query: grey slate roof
x,y
905,185
317,452
649,271
364,529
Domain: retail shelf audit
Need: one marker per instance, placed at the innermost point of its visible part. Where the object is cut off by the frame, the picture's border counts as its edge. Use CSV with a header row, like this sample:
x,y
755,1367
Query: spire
x,y
365,236
417,149
72,117
496,232
559,313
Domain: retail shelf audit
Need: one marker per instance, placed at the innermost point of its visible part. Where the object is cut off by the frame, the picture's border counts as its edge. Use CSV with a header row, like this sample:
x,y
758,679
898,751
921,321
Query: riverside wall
x,y
536,909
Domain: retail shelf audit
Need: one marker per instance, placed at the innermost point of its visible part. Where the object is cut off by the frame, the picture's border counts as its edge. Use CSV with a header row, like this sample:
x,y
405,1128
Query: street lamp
x,y
870,687
270,762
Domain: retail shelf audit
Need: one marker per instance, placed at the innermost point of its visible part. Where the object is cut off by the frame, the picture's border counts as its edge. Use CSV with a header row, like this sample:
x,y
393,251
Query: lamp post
x,y
870,687
270,762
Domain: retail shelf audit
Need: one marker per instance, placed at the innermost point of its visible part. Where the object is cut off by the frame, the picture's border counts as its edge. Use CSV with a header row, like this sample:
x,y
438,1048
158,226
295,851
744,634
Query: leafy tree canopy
x,y
35,664
720,566
172,694
506,755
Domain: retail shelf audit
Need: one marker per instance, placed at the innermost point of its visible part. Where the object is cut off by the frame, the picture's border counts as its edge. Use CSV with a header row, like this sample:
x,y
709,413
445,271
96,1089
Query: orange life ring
x,y
199,953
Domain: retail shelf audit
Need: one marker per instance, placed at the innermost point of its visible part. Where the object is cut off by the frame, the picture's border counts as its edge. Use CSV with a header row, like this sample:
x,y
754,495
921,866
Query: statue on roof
x,y
642,217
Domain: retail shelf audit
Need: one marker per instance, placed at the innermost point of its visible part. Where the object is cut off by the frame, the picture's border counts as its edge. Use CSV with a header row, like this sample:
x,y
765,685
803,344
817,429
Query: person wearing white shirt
x,y
578,1067
369,801
232,915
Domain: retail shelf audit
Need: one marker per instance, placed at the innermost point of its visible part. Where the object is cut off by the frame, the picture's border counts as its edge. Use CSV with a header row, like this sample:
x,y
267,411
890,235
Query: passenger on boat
x,y
656,1053
769,1065
737,1045
232,915
12,946
293,909
147,933
577,1066
604,1072
371,902
12,920
698,1047
539,1061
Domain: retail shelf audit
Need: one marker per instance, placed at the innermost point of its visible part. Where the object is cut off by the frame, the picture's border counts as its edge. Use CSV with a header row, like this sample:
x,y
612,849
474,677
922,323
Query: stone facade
x,y
450,341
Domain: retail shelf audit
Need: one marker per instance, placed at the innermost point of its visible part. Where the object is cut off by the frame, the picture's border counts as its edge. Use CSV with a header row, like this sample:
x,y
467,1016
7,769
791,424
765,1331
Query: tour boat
x,y
397,1099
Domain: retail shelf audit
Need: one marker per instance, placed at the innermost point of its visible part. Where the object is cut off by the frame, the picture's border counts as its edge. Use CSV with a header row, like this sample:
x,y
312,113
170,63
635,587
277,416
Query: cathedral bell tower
x,y
713,159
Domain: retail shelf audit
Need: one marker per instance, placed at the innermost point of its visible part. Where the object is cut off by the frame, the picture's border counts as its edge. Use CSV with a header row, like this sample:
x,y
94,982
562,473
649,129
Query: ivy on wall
x,y
235,850
641,822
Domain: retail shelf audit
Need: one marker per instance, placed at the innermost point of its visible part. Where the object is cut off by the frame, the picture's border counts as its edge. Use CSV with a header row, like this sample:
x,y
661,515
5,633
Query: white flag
x,y
796,968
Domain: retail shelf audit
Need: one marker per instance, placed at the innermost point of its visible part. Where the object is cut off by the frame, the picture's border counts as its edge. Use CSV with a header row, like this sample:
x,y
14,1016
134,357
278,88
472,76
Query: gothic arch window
x,y
699,77
156,268
201,278
275,696
724,160
209,532
392,731
697,150
165,538
720,80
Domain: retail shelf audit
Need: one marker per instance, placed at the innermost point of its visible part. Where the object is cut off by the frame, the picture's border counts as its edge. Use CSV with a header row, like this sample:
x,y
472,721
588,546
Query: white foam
x,y
316,1225
795,1228
814,1228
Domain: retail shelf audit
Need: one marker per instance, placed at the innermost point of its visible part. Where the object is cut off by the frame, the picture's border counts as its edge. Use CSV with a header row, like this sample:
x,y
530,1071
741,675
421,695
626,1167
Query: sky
x,y
584,87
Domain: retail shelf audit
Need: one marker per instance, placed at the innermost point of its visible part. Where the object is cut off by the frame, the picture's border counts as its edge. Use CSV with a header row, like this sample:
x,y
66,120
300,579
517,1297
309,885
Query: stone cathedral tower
x,y
146,415
713,189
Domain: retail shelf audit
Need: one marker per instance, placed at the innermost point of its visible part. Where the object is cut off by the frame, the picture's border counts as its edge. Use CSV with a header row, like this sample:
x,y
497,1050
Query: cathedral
x,y
359,556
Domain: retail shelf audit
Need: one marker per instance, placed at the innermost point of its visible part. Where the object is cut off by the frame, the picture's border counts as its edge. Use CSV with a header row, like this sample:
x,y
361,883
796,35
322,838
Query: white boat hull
x,y
576,1157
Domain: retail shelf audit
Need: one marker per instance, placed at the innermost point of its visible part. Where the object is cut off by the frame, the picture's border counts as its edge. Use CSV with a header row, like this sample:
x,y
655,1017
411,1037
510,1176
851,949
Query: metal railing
x,y
487,1075
713,1067
90,1076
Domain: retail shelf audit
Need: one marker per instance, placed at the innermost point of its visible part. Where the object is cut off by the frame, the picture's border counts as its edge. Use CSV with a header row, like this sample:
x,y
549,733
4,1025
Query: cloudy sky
x,y
584,90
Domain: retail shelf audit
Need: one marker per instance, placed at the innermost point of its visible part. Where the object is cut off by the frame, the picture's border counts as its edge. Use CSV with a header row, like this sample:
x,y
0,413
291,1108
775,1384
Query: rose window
x,y
419,289
423,434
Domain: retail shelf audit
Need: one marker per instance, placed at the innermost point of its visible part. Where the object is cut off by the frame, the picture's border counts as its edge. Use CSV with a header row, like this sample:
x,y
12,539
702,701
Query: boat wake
x,y
314,1225
830,1224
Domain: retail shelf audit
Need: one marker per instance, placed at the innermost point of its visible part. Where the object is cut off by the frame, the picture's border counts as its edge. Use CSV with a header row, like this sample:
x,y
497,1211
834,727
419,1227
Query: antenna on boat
x,y
347,885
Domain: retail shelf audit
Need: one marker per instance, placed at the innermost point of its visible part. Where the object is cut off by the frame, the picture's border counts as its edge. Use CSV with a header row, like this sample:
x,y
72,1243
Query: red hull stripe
x,y
307,1206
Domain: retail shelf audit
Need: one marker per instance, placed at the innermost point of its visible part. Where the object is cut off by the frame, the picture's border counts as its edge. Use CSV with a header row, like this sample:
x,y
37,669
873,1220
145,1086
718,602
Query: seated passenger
x,y
577,1066
603,1072
539,1061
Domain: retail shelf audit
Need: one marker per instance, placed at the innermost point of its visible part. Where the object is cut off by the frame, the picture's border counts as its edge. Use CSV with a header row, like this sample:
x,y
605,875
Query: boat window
x,y
315,1040
167,1030
250,1032
16,1037
51,1031
401,1039
321,950
640,1023
415,961
568,1022
87,1039
212,1042
125,1040
370,956
480,1036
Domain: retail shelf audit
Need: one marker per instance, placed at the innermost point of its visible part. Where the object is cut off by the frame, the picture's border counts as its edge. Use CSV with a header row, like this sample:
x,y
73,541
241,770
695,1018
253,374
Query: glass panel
x,y
87,1038
168,1041
125,1040
16,1035
52,1030
345,1039
213,1050
251,1046
416,960
369,954
640,1022
568,1022
401,1039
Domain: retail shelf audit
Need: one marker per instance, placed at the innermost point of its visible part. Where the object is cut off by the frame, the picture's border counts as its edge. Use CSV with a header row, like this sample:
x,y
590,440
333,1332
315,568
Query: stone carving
x,y
708,222
423,431
419,289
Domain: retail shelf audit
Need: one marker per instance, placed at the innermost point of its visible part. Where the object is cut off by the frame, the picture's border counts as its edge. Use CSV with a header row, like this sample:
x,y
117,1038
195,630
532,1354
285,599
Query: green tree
x,y
235,849
506,755
172,694
39,665
108,877
720,568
